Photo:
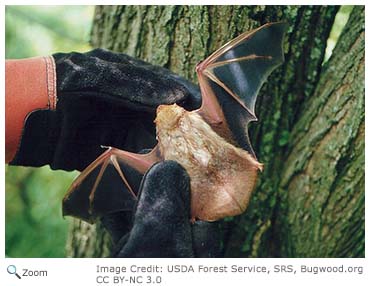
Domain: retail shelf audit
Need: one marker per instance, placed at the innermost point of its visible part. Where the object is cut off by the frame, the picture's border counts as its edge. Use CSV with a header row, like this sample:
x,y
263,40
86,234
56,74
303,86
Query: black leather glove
x,y
161,222
104,98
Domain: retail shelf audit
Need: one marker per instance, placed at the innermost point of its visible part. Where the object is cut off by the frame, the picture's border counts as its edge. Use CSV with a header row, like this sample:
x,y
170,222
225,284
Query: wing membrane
x,y
243,79
232,76
242,66
107,185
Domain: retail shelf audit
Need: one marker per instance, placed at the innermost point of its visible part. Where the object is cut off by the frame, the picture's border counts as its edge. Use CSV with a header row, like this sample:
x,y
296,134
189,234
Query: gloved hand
x,y
103,98
161,222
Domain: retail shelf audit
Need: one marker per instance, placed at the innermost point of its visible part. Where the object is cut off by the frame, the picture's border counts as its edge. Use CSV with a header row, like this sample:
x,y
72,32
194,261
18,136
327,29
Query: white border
x,y
82,271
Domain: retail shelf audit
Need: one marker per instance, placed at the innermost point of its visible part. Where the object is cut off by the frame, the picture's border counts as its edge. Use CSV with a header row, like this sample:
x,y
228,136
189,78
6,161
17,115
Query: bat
x,y
211,143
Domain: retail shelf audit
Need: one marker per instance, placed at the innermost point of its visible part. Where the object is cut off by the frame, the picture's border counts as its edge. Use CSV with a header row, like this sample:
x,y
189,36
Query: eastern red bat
x,y
211,143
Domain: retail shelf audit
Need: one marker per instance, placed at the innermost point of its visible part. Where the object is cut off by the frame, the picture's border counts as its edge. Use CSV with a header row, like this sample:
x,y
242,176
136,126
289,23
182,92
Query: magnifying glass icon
x,y
13,270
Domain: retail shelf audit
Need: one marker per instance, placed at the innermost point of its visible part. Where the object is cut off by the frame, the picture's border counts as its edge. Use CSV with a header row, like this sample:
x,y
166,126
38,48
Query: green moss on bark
x,y
323,180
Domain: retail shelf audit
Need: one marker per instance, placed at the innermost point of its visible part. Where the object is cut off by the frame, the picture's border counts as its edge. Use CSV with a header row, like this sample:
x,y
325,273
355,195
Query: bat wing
x,y
232,76
107,185
229,80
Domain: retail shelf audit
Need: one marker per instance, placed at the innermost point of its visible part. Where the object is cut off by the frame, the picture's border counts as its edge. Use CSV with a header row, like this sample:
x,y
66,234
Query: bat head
x,y
167,116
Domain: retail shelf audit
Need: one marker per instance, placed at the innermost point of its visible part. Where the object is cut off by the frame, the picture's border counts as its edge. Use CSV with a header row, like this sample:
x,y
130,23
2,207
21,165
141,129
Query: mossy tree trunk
x,y
310,198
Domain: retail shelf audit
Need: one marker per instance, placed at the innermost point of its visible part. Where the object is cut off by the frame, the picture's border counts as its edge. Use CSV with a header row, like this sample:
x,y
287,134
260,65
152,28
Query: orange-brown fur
x,y
222,175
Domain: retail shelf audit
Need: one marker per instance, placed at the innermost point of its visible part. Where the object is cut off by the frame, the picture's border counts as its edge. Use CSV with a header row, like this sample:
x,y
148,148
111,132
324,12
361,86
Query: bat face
x,y
222,175
211,143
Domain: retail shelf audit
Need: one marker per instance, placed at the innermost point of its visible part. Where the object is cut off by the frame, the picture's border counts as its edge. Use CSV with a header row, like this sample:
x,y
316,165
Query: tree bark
x,y
309,201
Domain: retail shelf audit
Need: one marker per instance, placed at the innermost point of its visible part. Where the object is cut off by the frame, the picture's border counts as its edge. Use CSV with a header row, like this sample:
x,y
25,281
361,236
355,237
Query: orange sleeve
x,y
30,84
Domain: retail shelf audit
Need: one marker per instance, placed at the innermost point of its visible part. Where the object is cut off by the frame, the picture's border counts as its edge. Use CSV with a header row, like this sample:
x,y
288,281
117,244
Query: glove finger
x,y
193,101
161,222
130,80
206,238
117,224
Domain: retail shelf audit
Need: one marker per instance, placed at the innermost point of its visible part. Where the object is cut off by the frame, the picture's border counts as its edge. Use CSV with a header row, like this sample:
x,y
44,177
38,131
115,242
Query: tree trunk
x,y
309,201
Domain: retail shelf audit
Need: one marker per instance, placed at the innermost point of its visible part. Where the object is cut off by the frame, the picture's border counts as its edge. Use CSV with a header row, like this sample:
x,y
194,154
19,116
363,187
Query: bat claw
x,y
261,167
106,147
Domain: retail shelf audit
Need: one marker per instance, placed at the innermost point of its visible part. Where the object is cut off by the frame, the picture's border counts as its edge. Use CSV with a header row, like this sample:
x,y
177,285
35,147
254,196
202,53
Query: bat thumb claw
x,y
105,147
260,167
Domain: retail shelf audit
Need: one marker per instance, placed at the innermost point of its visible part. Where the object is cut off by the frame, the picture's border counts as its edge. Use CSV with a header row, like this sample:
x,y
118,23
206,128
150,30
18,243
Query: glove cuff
x,y
30,85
